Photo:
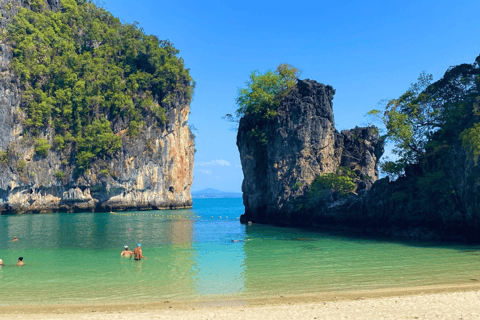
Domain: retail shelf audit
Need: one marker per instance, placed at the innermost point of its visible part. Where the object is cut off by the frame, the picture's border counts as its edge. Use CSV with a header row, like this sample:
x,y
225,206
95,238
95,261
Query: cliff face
x,y
153,170
438,198
303,144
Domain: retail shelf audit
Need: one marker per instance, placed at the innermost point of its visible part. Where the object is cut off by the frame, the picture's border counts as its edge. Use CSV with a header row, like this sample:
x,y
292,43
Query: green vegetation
x,y
98,140
42,146
471,139
21,164
262,96
3,156
297,185
59,142
346,171
432,116
331,182
81,62
105,172
435,128
59,174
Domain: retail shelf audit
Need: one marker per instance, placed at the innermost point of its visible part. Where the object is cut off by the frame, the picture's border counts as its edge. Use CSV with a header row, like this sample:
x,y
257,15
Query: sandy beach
x,y
432,302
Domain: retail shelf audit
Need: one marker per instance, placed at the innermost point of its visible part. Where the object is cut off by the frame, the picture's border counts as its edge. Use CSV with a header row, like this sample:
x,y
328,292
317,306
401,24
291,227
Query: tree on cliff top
x,y
261,98
429,113
264,91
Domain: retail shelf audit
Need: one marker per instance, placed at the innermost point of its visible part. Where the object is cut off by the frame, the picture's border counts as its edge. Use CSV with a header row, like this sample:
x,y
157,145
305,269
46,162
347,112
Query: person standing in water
x,y
20,262
137,253
126,253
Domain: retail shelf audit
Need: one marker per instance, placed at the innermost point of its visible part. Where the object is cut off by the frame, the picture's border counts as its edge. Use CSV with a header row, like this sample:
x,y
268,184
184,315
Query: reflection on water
x,y
195,254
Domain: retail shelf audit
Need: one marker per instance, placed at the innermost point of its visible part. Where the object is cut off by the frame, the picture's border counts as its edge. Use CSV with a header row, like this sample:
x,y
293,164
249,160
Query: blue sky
x,y
367,50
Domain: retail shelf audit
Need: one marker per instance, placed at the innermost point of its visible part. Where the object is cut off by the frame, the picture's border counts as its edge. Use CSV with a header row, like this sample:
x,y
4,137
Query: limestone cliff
x,y
153,170
437,198
303,144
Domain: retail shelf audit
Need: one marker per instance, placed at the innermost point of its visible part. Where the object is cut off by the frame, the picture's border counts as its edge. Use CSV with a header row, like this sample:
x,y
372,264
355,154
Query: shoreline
x,y
333,299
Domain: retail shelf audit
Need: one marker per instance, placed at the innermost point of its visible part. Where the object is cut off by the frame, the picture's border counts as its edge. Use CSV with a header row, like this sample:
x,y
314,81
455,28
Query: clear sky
x,y
367,50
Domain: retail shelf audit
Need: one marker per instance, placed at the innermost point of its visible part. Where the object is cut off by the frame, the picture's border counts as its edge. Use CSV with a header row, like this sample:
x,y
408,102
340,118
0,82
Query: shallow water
x,y
205,253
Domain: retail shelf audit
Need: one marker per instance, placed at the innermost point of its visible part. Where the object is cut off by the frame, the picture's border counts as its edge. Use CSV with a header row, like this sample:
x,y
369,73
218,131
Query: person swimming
x,y
20,262
126,252
138,254
1,263
15,239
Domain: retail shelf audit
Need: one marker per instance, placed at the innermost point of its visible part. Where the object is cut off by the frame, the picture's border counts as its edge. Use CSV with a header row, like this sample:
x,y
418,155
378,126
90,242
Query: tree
x,y
431,111
408,121
261,98
42,147
80,62
264,91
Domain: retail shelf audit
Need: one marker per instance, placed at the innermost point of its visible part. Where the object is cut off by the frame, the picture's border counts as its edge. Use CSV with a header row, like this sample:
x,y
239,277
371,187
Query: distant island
x,y
213,193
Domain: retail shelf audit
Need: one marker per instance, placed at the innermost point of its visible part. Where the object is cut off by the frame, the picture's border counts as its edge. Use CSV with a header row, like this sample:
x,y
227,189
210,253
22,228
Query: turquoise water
x,y
205,253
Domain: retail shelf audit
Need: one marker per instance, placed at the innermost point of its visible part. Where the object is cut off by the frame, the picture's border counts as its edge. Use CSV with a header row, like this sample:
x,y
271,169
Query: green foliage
x,y
297,185
59,174
408,120
81,61
159,112
433,111
21,164
264,91
105,172
331,182
346,171
59,142
133,127
42,147
98,140
37,5
471,139
392,169
262,96
3,156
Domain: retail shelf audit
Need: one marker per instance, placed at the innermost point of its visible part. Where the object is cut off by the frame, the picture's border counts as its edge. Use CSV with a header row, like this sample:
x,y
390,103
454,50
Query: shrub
x,y
3,156
21,164
42,146
297,185
331,182
59,174
59,142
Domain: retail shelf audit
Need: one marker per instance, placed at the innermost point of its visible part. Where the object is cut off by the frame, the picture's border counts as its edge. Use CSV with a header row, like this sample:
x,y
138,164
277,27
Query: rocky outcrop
x,y
154,170
302,144
9,8
438,198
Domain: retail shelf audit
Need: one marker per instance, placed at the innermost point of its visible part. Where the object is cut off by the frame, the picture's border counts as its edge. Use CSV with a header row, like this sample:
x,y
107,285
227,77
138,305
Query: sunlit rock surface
x,y
154,170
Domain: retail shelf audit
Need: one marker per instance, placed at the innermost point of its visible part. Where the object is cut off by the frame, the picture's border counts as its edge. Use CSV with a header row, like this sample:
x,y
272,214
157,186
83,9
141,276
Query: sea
x,y
206,254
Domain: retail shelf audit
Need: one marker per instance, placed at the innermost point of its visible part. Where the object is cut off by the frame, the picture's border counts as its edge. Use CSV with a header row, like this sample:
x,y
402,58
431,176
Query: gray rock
x,y
303,144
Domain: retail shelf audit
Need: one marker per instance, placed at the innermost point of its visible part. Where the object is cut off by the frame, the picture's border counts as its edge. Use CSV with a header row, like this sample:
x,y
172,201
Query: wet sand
x,y
460,301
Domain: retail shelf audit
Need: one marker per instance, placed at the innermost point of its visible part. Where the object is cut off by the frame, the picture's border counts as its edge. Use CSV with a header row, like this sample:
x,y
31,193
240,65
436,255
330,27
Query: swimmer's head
x,y
126,247
20,259
1,261
139,244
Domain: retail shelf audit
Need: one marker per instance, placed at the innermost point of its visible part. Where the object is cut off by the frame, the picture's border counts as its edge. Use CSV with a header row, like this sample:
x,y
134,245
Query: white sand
x,y
461,302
